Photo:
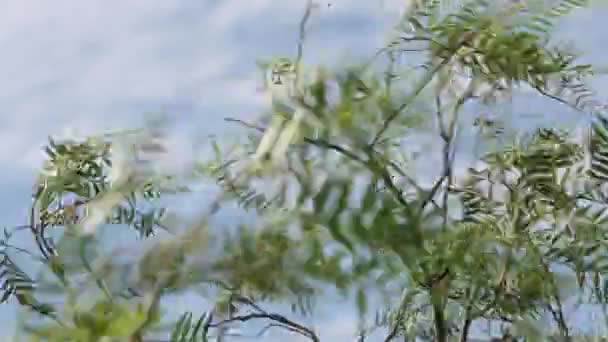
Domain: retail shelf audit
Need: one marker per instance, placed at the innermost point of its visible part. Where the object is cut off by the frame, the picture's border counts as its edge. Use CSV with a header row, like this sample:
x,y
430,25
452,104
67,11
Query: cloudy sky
x,y
95,65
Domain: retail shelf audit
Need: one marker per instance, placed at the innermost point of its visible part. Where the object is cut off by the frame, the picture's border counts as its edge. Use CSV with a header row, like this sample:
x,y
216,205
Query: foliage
x,y
510,243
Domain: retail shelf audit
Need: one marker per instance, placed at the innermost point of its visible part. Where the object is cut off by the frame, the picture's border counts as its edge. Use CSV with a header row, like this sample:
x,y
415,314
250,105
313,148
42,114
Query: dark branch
x,y
293,326
408,101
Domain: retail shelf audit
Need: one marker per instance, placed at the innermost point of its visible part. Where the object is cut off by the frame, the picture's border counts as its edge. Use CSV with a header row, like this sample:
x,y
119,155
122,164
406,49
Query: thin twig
x,y
246,124
558,315
447,134
372,164
431,194
376,167
558,99
295,327
24,251
447,140
302,38
316,142
448,154
468,315
282,321
406,297
409,100
426,80
152,307
466,326
397,324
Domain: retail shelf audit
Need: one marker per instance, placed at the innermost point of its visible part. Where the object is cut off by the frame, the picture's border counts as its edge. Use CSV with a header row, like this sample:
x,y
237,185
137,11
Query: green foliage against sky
x,y
328,173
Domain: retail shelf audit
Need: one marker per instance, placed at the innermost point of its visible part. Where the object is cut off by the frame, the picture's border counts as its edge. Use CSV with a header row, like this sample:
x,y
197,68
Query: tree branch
x,y
372,164
409,100
558,99
302,37
292,326
468,315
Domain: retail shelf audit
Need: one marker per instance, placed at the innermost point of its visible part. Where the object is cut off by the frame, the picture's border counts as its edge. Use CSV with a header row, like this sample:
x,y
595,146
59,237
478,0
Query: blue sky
x,y
94,65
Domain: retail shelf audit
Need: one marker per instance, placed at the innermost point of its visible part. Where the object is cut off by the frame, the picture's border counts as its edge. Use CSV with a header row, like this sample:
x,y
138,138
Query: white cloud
x,y
99,64
83,64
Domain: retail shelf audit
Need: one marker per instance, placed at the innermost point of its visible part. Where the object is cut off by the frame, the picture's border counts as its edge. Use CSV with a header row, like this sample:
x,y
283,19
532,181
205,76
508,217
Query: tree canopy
x,y
507,233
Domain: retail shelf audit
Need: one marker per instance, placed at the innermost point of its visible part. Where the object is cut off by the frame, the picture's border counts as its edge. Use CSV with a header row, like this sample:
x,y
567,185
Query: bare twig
x,y
317,142
292,326
406,297
439,287
408,101
396,325
468,315
466,326
450,51
558,314
246,124
259,313
302,37
377,168
155,295
372,164
558,99
447,134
